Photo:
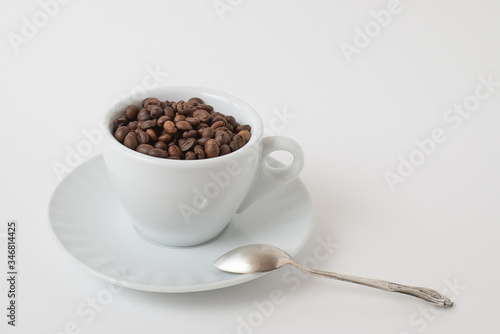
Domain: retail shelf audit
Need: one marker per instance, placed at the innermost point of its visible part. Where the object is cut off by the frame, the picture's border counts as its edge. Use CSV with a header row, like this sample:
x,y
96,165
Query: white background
x,y
353,119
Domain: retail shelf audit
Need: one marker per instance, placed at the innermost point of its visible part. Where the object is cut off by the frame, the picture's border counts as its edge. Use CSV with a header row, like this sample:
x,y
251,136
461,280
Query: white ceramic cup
x,y
189,202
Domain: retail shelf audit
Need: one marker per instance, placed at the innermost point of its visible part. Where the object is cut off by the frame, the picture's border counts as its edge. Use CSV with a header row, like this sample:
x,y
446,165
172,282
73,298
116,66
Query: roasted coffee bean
x,y
233,146
199,151
189,134
131,141
183,125
131,112
229,127
162,120
156,152
239,141
169,127
165,138
175,151
212,148
205,107
143,137
161,145
202,115
190,156
173,157
230,120
183,108
195,101
157,112
219,118
203,140
132,126
143,115
222,137
120,122
242,127
193,121
187,144
151,101
144,148
152,135
207,133
217,124
245,134
148,124
169,111
163,105
179,118
120,133
224,149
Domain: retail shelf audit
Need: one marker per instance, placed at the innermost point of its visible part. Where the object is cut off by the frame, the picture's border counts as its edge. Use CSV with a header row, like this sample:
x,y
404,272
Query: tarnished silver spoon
x,y
260,258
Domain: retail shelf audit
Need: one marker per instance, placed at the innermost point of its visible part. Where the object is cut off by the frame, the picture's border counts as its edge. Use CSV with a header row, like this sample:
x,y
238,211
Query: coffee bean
x,y
212,148
222,137
173,157
239,141
193,121
143,115
230,120
202,115
229,127
233,146
219,118
199,151
148,124
242,127
120,122
144,148
157,112
174,150
189,134
183,108
179,118
162,120
203,140
165,138
183,125
169,127
217,124
169,111
207,133
143,137
224,149
161,145
132,126
190,156
156,152
205,107
245,134
187,144
195,101
131,141
120,133
152,135
151,101
131,112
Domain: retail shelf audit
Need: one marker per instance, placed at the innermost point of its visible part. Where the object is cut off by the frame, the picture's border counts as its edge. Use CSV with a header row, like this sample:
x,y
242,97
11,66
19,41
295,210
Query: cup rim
x,y
112,111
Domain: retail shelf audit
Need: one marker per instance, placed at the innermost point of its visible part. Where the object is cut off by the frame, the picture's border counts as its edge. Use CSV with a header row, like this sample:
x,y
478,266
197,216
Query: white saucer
x,y
91,225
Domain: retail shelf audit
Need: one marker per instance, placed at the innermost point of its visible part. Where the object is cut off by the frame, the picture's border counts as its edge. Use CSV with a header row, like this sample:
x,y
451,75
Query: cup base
x,y
157,243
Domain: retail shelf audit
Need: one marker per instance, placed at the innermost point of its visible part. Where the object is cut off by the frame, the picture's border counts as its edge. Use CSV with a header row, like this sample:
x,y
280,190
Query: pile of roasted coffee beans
x,y
179,130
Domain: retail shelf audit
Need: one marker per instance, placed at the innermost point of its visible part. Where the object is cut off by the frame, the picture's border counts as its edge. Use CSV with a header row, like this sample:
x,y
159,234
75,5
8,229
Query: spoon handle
x,y
430,295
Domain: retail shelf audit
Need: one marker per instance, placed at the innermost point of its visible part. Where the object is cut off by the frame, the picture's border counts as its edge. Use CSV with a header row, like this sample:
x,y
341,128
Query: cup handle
x,y
269,177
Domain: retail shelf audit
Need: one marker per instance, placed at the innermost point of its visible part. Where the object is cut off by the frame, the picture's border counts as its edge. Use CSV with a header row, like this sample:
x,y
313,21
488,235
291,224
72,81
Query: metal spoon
x,y
260,258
